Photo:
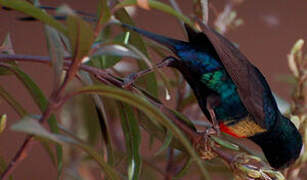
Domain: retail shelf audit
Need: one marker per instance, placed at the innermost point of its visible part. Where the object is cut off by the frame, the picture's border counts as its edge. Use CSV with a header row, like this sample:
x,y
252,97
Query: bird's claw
x,y
204,144
214,130
129,80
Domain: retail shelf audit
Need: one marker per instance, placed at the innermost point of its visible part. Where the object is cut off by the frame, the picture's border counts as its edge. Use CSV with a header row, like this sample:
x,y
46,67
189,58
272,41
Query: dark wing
x,y
246,77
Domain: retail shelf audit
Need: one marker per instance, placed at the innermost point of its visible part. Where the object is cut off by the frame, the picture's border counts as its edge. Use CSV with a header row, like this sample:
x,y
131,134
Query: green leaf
x,y
158,6
102,118
45,144
183,118
31,126
2,123
184,169
41,101
12,102
7,45
81,36
166,143
7,48
35,12
151,111
225,143
132,134
137,41
3,166
56,52
110,54
104,15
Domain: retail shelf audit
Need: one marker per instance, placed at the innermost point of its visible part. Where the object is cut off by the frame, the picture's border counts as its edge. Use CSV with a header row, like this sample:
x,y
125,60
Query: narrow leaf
x,y
136,40
3,166
41,101
56,52
133,140
12,102
225,143
184,169
102,118
7,48
104,15
151,111
143,4
31,126
29,9
7,45
81,36
158,6
166,143
2,123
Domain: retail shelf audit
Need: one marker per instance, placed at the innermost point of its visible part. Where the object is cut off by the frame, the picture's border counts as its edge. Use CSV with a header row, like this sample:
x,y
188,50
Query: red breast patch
x,y
227,130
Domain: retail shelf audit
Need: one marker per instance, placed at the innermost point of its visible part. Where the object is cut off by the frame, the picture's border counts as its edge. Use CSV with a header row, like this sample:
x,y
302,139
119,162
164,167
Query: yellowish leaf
x,y
2,122
143,4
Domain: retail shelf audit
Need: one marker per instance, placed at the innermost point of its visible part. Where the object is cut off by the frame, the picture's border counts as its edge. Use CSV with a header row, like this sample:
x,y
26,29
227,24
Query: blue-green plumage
x,y
205,69
239,95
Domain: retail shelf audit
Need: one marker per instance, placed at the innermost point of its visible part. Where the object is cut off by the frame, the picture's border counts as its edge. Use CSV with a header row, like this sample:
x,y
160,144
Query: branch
x,y
243,165
51,106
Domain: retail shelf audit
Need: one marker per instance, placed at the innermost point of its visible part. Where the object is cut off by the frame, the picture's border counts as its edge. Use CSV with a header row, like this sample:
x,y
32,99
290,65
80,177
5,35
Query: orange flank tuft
x,y
242,128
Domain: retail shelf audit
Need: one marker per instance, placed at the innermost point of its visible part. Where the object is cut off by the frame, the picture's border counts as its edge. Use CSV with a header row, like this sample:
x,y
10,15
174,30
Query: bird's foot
x,y
204,144
129,80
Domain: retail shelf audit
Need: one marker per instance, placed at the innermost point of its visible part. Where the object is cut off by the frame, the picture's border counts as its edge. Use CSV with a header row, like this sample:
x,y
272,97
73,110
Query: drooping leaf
x,y
56,52
108,55
7,45
136,40
81,36
12,102
31,126
2,122
3,166
132,135
103,16
225,144
41,101
166,143
7,48
184,169
49,151
158,6
143,4
151,111
102,118
37,13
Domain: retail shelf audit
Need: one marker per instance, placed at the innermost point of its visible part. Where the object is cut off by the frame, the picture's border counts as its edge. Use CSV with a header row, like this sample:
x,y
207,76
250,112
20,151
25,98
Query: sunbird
x,y
232,93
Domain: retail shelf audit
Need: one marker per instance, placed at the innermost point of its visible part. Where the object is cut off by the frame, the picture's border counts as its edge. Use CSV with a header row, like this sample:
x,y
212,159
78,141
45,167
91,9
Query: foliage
x,y
92,95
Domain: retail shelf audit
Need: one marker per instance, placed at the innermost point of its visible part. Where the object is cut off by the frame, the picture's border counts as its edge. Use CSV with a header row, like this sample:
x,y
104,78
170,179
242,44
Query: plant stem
x,y
105,78
52,105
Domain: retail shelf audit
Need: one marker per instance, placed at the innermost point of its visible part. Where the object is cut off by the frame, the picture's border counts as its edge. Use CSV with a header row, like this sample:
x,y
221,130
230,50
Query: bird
x,y
232,93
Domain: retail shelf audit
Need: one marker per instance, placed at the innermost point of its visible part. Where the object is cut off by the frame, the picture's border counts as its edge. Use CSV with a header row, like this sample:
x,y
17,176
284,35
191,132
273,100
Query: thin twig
x,y
170,165
52,105
105,77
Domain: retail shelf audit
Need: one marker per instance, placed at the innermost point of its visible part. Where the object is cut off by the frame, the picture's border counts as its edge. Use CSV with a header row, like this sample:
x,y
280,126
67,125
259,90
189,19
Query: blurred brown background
x,y
270,28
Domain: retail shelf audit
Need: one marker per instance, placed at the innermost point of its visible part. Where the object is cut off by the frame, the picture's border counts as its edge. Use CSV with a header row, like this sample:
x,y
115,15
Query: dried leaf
x,y
143,4
2,123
